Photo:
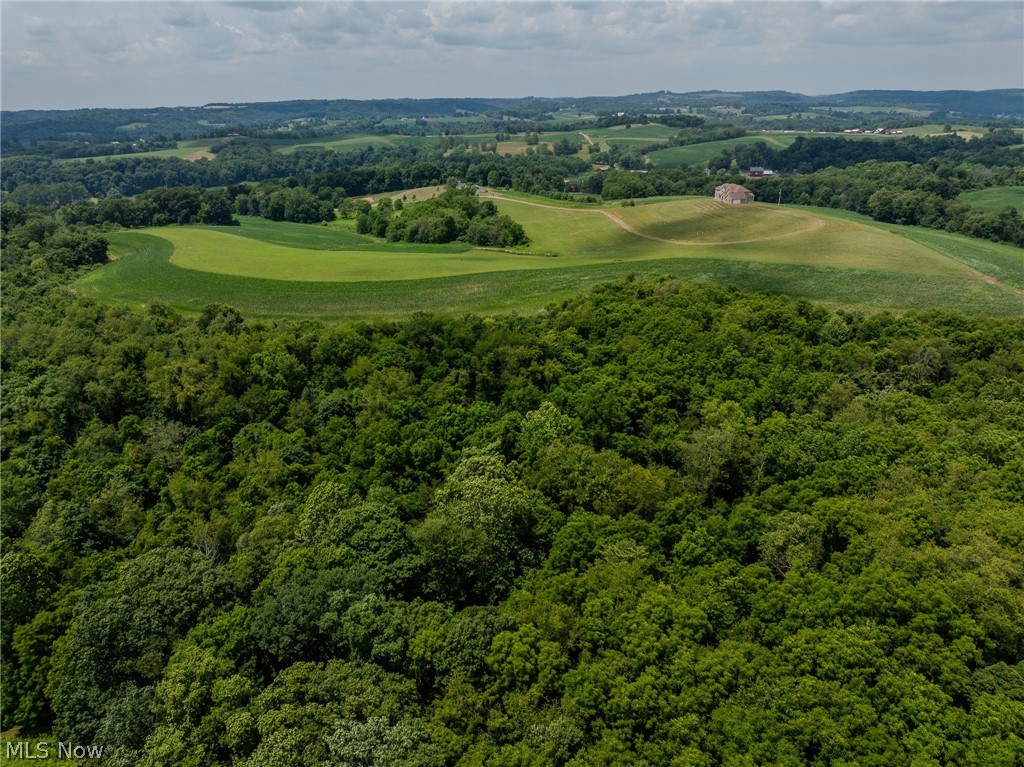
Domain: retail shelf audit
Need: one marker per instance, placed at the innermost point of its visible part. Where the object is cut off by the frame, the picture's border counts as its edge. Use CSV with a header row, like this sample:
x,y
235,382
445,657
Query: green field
x,y
933,129
635,135
295,235
996,198
345,143
694,154
223,253
270,269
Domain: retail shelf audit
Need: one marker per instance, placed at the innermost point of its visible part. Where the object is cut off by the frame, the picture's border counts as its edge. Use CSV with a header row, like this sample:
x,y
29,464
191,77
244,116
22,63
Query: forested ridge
x,y
659,524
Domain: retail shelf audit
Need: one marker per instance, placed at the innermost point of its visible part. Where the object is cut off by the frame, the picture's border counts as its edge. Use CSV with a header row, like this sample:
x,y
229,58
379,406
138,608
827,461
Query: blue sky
x,y
139,54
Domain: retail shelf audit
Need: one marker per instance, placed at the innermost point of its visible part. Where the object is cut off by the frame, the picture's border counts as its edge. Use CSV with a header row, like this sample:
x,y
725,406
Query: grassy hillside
x,y
996,198
268,269
1004,263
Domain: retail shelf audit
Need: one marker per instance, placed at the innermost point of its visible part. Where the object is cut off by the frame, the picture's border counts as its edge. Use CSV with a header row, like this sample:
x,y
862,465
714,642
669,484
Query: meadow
x,y
995,199
267,269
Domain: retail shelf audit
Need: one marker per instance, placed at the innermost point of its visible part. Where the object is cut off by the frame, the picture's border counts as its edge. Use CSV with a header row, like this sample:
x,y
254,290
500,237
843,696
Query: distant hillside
x,y
191,121
1007,101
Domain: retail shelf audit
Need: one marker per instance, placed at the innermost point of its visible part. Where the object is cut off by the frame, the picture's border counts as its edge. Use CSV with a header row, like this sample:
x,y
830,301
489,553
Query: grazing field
x,y
694,154
995,199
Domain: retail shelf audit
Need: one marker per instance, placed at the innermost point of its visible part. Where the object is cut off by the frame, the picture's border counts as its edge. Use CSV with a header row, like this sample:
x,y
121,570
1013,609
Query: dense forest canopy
x,y
658,524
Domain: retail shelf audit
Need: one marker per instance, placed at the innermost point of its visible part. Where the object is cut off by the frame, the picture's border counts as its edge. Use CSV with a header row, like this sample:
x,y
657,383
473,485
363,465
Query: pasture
x,y
270,269
996,198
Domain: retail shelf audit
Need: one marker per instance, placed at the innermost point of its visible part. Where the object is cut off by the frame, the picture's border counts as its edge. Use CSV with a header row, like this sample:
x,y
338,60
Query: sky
x,y
64,55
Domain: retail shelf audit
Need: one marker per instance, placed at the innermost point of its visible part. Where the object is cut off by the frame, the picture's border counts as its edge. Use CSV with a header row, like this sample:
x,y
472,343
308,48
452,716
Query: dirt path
x,y
587,138
992,281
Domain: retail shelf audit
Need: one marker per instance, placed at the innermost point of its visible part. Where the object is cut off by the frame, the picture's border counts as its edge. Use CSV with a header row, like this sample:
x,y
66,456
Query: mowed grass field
x,y
268,269
995,199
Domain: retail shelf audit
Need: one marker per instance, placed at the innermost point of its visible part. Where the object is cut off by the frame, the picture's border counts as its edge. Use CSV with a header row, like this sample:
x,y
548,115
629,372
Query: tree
x,y
482,530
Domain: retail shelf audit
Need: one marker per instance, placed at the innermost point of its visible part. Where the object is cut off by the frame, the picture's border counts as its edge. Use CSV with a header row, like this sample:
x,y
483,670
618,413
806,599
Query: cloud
x,y
185,15
37,28
179,52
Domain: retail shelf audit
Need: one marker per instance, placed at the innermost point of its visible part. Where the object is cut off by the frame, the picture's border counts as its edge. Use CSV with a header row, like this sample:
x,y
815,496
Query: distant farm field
x,y
681,156
185,150
269,269
996,198
345,143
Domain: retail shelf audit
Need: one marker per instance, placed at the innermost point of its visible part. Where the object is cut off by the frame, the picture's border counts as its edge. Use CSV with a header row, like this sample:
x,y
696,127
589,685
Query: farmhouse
x,y
733,194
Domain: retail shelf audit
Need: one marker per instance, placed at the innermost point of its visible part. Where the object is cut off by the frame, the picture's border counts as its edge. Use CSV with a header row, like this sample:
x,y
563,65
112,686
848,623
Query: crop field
x,y
184,150
996,198
694,154
274,269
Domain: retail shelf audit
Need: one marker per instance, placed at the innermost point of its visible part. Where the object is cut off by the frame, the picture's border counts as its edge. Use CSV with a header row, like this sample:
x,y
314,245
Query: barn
x,y
733,194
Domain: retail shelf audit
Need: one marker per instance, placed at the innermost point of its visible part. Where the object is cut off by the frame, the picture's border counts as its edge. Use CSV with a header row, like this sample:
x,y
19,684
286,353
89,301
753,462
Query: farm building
x,y
733,194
